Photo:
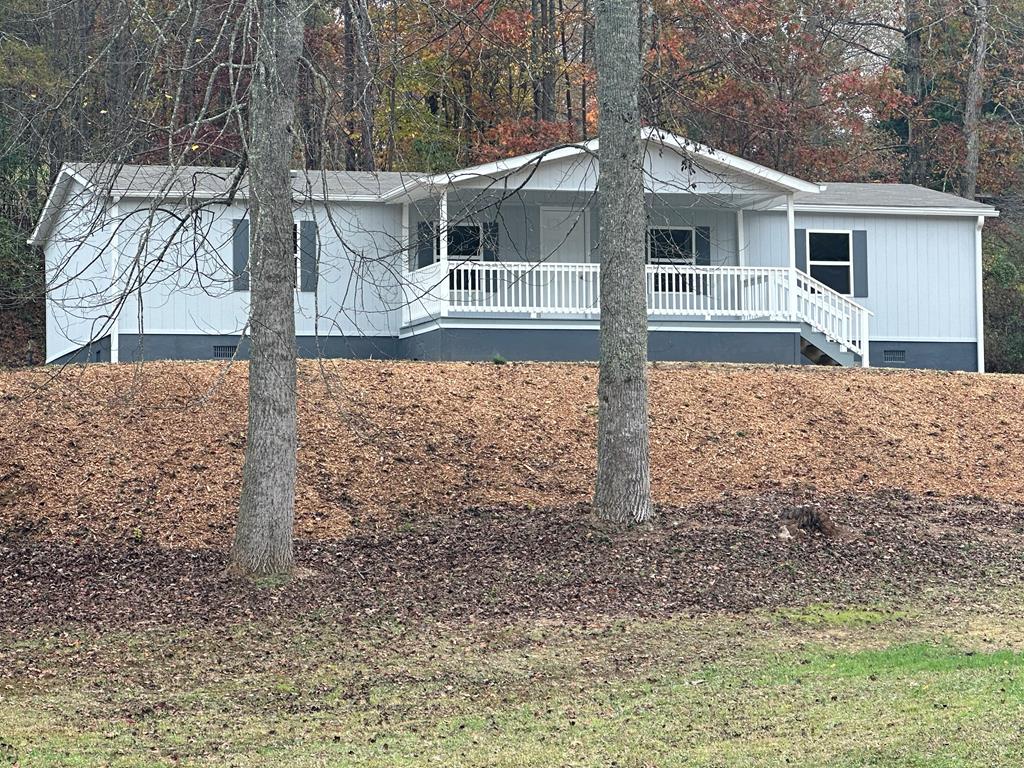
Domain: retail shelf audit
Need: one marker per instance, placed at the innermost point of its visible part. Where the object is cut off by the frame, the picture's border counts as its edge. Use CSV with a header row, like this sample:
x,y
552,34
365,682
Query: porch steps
x,y
821,350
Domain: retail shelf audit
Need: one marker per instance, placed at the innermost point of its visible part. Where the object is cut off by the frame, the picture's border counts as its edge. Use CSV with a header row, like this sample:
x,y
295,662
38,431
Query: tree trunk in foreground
x,y
623,489
263,539
972,105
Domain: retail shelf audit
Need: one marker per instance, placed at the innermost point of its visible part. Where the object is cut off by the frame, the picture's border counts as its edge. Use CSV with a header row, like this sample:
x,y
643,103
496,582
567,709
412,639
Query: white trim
x,y
576,325
684,146
672,228
827,263
747,167
404,249
930,339
791,247
115,314
455,225
979,293
883,210
741,239
584,215
442,247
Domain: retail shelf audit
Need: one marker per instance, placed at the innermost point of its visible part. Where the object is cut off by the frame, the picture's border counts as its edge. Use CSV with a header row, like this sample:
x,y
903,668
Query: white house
x,y
744,263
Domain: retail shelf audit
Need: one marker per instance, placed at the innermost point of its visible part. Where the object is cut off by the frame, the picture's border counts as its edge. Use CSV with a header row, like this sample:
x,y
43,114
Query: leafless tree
x,y
623,488
979,14
263,537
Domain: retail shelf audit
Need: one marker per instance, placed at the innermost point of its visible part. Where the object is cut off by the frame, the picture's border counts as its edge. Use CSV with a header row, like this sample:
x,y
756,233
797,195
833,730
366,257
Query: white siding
x,y
921,270
79,301
189,284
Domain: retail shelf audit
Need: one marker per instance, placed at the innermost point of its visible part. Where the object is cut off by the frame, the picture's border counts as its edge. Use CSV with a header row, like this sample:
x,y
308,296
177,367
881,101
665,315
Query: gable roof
x,y
206,183
702,155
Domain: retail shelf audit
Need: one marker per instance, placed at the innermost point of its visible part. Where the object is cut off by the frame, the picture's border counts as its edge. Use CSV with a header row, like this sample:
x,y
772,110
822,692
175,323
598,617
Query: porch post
x,y
979,306
791,239
741,240
404,255
442,250
404,235
115,263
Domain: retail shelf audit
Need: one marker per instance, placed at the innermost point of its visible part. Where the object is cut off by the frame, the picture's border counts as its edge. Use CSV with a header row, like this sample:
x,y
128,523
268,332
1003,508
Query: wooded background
x,y
834,90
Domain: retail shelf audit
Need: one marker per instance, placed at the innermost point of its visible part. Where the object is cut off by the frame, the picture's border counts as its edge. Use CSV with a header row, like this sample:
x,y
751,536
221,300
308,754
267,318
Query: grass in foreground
x,y
823,685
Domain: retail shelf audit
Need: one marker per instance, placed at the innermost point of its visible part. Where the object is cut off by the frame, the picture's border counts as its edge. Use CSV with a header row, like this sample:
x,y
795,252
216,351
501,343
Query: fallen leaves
x,y
522,563
154,453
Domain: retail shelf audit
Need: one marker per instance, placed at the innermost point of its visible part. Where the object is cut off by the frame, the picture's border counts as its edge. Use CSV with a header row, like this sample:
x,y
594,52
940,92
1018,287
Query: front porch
x,y
516,245
515,291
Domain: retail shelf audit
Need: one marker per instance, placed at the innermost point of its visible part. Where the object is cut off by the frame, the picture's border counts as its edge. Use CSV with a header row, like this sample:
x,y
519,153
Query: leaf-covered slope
x,y
154,452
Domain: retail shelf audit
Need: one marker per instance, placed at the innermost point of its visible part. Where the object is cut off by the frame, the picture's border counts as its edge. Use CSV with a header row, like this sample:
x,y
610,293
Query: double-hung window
x,y
830,259
465,242
669,247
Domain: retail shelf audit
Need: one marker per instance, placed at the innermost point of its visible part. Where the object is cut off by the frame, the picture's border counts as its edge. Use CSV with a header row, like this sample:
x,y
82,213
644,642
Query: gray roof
x,y
841,193
145,180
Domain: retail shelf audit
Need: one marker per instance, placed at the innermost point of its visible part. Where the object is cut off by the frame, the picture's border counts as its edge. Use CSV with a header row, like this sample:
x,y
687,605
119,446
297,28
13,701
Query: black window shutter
x,y
425,234
801,249
240,254
702,255
307,256
490,241
860,263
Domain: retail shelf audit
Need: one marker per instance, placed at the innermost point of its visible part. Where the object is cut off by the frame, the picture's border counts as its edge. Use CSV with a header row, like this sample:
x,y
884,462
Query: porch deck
x,y
558,291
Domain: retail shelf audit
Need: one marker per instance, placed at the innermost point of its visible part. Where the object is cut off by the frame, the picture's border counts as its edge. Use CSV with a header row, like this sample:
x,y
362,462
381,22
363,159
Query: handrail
x,y
838,317
557,289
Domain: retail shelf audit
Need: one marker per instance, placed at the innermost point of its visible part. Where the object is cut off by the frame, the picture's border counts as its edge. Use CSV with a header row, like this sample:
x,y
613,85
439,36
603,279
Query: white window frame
x,y
828,263
674,228
452,225
583,216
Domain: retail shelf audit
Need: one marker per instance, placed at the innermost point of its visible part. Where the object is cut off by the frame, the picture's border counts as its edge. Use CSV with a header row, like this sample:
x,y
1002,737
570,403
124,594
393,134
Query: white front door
x,y
564,234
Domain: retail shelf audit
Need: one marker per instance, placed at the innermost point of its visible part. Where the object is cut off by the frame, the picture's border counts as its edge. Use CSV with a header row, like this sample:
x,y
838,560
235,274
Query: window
x,y
465,241
830,259
667,247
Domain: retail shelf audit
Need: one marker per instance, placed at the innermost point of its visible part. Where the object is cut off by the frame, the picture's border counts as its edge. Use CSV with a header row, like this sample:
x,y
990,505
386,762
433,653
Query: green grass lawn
x,y
816,686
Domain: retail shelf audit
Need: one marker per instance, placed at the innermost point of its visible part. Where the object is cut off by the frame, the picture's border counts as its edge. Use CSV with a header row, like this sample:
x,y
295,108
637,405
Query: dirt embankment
x,y
153,454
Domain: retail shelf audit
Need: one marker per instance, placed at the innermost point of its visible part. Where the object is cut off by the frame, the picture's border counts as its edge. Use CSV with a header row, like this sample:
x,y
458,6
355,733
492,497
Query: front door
x,y
564,235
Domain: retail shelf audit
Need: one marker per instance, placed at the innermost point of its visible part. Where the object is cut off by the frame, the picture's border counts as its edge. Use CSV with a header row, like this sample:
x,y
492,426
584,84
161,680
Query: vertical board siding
x,y
920,269
78,269
357,291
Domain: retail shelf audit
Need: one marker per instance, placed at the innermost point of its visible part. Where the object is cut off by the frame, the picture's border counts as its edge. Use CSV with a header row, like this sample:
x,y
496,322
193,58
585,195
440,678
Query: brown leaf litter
x,y
153,454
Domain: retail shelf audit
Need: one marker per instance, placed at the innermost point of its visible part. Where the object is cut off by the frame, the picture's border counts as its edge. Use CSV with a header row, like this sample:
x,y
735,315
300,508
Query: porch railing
x,y
573,290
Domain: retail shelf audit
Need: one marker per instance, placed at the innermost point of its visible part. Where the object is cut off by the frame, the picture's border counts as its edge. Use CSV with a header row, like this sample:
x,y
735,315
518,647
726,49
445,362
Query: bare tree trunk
x,y
548,68
360,92
623,489
584,51
915,171
972,106
263,539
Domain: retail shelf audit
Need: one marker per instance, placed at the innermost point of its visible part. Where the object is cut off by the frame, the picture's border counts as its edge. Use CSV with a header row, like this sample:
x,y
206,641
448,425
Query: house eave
x,y
891,210
778,179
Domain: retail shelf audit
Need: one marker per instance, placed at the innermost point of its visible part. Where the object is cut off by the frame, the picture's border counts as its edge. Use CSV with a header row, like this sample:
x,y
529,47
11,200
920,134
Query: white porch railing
x,y
560,290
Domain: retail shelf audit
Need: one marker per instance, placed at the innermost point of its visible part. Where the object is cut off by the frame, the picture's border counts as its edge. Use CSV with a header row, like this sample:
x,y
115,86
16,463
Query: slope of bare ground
x,y
153,454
